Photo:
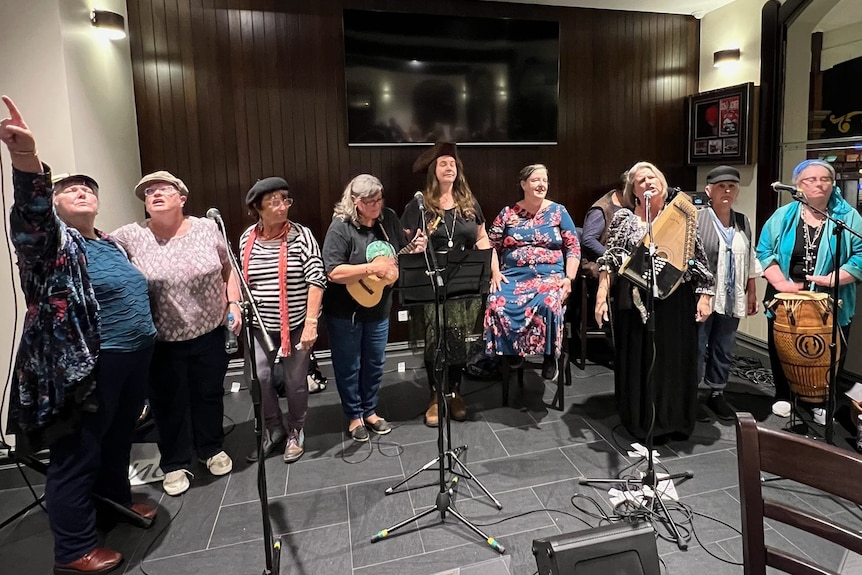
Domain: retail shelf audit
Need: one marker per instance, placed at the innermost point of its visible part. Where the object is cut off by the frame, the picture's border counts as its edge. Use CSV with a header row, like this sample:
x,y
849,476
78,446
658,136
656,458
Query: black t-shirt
x,y
462,231
345,243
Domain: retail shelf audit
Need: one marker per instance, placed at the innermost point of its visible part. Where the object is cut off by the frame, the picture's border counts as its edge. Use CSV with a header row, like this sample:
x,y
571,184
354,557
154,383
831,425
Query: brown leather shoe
x,y
431,417
457,407
99,560
144,510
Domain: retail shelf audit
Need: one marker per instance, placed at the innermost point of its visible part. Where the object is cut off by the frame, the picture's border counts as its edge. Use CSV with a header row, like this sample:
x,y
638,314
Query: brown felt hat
x,y
439,149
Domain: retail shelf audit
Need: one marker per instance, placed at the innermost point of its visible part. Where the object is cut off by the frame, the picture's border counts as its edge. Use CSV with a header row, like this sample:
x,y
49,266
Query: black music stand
x,y
431,278
650,478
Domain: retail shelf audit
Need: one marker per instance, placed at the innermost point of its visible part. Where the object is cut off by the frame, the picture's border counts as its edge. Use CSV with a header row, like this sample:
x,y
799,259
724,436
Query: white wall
x,y
74,89
736,25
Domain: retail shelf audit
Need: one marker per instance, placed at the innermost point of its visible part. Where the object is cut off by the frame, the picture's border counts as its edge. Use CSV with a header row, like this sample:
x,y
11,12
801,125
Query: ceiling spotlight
x,y
111,24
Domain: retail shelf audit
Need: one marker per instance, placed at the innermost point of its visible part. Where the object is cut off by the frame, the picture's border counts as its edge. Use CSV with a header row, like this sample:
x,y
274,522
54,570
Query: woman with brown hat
x,y
191,284
454,222
282,264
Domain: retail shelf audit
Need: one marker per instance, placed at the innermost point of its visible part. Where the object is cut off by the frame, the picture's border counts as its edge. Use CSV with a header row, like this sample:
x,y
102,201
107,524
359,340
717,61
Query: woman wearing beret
x,y
454,222
282,264
797,251
191,282
80,374
360,244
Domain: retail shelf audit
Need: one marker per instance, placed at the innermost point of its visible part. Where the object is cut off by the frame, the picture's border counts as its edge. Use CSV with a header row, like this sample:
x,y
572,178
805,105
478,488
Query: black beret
x,y
428,156
263,187
722,174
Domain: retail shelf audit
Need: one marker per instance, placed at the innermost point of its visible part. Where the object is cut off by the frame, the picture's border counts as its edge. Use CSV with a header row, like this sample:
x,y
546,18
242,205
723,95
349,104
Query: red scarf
x,y
284,314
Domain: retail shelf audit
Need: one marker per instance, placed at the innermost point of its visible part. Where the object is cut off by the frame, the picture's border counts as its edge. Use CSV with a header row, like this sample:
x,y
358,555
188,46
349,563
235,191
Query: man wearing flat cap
x,y
726,237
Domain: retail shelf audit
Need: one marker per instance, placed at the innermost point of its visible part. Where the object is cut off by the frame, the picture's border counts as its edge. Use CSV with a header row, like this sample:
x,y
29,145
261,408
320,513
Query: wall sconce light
x,y
724,57
111,24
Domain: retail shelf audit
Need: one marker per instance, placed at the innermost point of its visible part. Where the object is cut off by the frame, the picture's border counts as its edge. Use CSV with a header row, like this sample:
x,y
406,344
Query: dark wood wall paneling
x,y
229,91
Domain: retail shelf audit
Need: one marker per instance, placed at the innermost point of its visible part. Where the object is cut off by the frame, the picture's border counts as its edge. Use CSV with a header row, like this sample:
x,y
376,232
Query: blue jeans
x,y
717,336
358,354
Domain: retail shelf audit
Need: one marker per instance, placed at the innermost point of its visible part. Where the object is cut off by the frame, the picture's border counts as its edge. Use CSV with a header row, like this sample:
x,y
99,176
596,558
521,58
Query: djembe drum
x,y
803,334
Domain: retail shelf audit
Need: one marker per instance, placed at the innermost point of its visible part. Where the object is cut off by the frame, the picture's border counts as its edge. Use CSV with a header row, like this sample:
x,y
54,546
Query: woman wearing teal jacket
x,y
797,249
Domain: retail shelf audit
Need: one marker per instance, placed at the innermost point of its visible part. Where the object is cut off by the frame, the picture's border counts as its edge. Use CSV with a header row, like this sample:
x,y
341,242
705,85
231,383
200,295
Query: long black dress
x,y
676,337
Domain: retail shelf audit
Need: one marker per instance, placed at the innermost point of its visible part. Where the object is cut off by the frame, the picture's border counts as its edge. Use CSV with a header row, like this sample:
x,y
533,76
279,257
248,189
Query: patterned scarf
x,y
284,350
730,279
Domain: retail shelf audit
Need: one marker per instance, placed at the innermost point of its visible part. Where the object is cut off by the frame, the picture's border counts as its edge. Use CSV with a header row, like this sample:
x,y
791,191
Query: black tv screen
x,y
424,78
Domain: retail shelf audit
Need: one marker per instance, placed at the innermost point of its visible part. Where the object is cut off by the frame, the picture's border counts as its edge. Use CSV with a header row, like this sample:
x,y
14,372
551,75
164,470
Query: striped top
x,y
304,269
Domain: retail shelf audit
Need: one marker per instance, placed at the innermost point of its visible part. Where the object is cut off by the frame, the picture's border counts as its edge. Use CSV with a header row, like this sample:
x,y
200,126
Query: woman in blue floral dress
x,y
539,253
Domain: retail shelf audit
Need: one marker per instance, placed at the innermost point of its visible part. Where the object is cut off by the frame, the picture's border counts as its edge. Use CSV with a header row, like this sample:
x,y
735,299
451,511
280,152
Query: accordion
x,y
675,231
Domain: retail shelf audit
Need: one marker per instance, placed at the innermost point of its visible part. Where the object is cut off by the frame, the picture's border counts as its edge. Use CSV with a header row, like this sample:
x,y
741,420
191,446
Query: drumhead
x,y
802,296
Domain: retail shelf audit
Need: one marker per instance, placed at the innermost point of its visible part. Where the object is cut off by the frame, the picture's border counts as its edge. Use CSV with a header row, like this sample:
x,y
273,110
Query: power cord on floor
x,y
159,535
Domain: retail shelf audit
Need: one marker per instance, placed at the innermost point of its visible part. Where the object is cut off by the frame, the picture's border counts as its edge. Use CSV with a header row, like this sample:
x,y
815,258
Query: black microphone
x,y
420,199
779,187
214,214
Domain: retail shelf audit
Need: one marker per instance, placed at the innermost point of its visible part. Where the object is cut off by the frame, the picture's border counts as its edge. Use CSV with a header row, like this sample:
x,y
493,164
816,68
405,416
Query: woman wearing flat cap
x,y
727,239
283,266
80,375
360,246
454,222
797,251
191,284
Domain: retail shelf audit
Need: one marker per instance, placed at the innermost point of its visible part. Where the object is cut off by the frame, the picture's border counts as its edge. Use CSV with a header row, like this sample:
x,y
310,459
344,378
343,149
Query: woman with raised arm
x,y
80,376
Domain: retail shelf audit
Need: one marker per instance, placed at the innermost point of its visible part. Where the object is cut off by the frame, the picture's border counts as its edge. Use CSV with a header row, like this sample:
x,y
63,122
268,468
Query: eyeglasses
x,y
814,180
372,202
165,189
276,202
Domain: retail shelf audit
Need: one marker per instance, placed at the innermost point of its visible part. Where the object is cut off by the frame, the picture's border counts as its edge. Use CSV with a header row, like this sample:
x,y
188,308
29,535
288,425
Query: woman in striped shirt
x,y
282,263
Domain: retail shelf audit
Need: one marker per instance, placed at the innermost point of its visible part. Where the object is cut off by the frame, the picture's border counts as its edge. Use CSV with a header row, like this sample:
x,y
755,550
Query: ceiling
x,y
696,8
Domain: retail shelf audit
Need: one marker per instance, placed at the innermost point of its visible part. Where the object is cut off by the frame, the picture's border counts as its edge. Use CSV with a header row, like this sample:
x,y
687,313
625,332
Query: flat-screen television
x,y
423,78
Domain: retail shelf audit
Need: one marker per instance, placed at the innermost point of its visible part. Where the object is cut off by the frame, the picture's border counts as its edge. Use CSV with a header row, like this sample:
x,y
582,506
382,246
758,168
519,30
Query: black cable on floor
x,y
159,535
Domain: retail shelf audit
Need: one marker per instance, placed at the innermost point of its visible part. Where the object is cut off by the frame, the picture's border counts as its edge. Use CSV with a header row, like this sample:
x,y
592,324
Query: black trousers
x,y
95,458
187,398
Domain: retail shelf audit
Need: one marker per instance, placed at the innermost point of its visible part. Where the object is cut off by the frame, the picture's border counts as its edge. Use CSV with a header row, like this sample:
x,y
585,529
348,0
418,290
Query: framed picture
x,y
721,126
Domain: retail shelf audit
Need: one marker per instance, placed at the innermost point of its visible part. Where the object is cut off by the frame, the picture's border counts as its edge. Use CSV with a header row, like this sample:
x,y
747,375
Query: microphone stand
x,y
650,478
445,454
271,545
837,231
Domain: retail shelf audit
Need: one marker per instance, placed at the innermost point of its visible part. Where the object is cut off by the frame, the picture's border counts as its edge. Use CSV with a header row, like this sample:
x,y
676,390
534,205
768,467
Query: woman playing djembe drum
x,y
797,251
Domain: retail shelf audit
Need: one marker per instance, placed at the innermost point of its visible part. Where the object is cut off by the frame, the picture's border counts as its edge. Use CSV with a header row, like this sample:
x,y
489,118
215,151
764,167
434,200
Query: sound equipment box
x,y
616,549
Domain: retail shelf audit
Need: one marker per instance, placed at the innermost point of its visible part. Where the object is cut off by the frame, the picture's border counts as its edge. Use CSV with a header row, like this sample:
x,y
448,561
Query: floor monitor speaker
x,y
617,549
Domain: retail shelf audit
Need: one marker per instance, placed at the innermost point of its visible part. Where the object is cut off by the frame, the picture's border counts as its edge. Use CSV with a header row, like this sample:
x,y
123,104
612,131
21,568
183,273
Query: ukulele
x,y
368,291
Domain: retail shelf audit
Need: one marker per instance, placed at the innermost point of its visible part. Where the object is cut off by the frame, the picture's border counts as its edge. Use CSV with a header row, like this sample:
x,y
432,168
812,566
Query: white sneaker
x,y
220,464
781,408
819,415
176,482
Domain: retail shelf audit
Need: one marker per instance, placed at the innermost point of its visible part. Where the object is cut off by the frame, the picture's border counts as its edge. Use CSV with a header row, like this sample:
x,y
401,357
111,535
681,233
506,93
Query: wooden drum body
x,y
803,333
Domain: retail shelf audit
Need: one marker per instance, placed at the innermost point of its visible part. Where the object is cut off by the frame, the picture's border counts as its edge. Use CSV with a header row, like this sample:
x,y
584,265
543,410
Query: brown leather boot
x,y
431,417
458,409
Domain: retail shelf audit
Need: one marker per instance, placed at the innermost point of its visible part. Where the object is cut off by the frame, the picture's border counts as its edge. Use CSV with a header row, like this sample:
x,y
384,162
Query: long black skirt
x,y
674,372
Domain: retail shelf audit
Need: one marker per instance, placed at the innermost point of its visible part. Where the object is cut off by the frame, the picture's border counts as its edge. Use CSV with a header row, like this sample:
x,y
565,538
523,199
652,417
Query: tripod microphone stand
x,y
650,478
447,457
271,544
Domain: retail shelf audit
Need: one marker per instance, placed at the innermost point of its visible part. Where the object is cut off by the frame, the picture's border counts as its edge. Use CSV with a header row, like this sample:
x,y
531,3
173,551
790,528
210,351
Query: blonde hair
x,y
629,191
362,186
461,193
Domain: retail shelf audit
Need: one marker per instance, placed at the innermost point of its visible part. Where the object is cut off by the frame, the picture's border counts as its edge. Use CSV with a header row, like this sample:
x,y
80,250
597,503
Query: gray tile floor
x,y
328,505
